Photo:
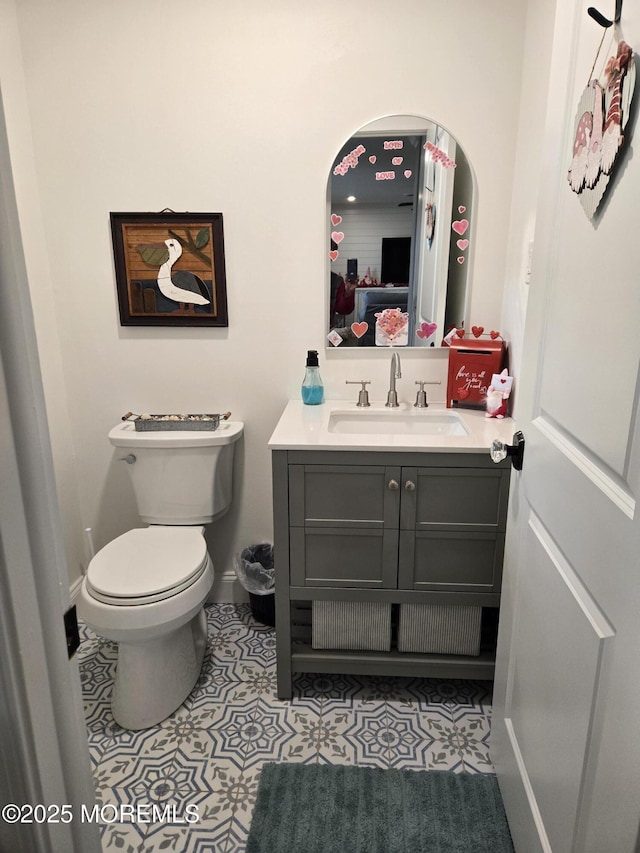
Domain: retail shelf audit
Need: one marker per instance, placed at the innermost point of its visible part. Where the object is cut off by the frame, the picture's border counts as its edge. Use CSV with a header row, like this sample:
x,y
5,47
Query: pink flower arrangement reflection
x,y
393,322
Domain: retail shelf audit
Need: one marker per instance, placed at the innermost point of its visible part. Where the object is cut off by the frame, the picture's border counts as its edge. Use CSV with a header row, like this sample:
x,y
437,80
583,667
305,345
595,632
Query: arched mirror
x,y
400,202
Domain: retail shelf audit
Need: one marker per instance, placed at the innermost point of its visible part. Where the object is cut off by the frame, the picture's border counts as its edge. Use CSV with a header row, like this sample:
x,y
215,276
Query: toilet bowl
x,y
146,589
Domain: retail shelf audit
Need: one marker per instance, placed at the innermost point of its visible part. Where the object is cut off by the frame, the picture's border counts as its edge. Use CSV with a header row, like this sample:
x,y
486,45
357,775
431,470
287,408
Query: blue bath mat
x,y
322,808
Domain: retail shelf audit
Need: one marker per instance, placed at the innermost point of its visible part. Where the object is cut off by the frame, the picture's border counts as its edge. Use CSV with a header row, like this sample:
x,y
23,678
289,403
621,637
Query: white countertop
x,y
307,428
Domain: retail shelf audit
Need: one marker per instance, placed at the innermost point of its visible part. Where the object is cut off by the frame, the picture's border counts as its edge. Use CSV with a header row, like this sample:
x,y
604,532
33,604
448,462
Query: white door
x,y
44,756
566,730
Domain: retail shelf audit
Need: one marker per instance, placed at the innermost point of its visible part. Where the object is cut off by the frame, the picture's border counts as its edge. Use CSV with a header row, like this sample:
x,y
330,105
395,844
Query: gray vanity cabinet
x,y
389,527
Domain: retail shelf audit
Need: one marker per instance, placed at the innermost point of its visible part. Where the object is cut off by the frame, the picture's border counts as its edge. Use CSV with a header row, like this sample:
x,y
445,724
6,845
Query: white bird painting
x,y
181,286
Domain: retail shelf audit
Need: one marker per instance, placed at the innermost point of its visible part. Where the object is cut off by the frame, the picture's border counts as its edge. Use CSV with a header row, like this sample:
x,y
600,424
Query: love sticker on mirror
x,y
426,330
359,329
460,226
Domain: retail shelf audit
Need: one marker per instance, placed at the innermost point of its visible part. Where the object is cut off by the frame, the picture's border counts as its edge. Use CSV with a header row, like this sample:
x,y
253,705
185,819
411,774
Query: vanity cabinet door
x,y
453,498
452,529
344,525
450,562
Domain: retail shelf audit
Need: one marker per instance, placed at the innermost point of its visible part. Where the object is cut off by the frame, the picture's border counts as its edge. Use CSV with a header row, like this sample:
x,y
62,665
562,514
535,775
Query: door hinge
x,y
71,631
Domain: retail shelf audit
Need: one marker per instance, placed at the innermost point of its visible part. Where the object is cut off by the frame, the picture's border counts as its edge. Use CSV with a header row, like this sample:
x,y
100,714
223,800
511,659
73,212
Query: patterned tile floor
x,y
207,756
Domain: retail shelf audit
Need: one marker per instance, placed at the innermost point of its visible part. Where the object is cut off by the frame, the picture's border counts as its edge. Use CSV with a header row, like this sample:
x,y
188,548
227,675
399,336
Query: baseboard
x,y
226,588
74,589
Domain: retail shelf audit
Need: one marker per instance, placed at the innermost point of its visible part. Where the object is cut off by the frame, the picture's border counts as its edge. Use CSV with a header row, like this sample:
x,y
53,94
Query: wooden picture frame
x,y
170,269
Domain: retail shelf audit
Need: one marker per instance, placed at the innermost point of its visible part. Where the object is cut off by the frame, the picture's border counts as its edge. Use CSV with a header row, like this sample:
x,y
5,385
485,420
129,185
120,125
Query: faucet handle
x,y
363,394
421,397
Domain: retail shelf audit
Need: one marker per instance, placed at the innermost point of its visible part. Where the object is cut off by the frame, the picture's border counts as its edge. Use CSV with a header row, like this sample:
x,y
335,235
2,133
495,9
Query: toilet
x,y
146,589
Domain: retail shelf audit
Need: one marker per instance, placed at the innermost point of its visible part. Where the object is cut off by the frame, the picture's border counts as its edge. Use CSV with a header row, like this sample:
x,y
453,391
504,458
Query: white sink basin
x,y
392,422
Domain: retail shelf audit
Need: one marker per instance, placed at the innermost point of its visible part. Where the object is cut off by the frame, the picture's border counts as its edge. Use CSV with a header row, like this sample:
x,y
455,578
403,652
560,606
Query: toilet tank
x,y
179,477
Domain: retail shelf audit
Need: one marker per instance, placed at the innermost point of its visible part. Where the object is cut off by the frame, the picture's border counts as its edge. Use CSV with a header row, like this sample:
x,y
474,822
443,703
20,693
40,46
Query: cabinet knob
x,y
409,486
393,484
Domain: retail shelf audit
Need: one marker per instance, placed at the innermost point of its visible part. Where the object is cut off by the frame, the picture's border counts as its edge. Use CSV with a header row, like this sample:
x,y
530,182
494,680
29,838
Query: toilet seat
x,y
147,565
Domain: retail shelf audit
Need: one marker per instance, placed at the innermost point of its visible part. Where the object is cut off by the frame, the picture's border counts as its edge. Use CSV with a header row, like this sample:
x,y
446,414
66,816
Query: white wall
x,y
238,108
12,81
536,62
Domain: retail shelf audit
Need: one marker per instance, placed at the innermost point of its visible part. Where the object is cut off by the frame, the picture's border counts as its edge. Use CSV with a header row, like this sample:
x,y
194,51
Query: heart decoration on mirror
x,y
426,330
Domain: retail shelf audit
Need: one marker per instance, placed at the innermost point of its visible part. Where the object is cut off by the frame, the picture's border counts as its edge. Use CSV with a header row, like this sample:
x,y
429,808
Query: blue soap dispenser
x,y
312,387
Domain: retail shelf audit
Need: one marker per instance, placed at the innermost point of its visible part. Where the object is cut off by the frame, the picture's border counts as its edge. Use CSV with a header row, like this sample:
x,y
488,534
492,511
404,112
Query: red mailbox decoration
x,y
472,363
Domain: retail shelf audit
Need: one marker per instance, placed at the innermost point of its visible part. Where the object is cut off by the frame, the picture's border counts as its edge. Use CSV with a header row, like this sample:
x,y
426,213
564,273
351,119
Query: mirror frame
x,y
456,259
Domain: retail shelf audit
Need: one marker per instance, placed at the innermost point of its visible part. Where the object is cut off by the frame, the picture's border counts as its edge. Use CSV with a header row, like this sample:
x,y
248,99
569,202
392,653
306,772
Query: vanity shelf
x,y
306,659
407,527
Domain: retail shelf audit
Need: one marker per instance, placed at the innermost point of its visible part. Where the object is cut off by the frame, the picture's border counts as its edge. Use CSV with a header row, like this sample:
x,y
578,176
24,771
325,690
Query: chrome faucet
x,y
392,397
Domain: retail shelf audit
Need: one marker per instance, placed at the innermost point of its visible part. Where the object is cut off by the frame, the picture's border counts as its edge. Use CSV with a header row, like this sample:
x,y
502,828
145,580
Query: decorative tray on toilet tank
x,y
147,423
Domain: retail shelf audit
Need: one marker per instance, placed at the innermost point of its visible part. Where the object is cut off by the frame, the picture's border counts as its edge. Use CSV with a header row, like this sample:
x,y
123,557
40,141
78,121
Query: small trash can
x,y
254,569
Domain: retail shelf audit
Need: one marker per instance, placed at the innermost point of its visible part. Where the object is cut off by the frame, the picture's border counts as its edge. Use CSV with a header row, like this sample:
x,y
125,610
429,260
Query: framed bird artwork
x,y
170,269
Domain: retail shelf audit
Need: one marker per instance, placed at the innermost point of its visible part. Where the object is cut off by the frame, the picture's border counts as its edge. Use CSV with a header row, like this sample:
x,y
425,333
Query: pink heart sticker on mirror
x,y
426,330
337,236
460,260
460,226
408,173
462,244
335,219
373,158
462,208
359,329
333,254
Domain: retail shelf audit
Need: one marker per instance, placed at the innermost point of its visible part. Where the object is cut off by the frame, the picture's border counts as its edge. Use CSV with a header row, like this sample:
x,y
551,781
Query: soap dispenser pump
x,y
312,388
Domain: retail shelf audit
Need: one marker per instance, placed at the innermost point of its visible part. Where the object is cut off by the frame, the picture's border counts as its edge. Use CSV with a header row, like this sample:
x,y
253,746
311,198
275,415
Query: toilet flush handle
x,y
130,459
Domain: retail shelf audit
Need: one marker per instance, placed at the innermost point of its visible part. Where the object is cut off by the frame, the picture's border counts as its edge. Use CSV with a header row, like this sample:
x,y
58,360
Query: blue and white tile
x,y
455,692
365,734
210,752
210,701
118,833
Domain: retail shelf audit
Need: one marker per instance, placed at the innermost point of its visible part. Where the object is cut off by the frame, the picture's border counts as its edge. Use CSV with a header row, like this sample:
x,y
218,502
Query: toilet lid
x,y
147,565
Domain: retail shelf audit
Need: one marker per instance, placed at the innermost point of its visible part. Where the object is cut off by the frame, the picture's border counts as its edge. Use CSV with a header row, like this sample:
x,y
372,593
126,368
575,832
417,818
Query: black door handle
x,y
515,451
